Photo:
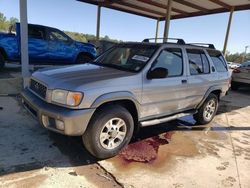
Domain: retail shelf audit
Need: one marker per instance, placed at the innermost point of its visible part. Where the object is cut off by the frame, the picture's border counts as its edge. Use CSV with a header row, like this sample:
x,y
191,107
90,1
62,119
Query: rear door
x,y
221,68
200,76
165,96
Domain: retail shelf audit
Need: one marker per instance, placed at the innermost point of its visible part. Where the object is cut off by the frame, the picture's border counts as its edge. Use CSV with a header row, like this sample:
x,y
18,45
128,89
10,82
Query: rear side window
x,y
198,62
218,60
37,33
171,59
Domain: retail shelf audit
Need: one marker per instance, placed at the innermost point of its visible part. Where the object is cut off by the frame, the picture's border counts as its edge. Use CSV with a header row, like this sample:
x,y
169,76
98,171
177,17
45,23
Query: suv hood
x,y
73,77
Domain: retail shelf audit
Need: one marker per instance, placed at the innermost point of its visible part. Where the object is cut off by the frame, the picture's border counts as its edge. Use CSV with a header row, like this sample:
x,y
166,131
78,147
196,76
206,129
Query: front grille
x,y
38,88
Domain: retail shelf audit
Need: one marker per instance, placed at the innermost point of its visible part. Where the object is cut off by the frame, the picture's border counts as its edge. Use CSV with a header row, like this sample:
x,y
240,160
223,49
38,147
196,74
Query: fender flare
x,y
116,96
210,90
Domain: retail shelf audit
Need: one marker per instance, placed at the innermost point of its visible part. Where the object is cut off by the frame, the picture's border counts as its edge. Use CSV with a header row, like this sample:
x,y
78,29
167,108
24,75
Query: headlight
x,y
66,97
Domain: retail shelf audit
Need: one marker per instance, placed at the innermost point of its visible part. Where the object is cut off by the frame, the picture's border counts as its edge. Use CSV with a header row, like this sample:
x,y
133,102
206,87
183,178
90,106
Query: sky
x,y
71,15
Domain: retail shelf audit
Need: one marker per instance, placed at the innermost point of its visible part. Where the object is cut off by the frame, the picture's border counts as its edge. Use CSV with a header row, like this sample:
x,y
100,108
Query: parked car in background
x,y
241,76
232,65
129,86
46,45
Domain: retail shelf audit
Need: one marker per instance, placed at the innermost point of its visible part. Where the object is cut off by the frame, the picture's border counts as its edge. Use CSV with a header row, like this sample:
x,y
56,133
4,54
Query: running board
x,y
166,119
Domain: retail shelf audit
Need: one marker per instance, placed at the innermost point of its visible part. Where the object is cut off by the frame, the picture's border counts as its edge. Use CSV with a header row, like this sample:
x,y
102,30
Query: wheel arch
x,y
84,53
125,99
3,52
217,90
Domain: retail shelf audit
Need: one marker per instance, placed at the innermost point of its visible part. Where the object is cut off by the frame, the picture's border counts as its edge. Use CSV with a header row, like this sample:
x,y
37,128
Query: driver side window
x,y
170,59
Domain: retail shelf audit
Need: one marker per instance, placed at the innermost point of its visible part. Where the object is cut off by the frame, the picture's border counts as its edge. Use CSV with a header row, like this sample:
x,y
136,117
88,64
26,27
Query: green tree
x,y
3,22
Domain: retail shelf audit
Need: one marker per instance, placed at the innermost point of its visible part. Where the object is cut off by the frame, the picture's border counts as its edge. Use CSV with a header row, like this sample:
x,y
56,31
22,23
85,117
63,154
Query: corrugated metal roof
x,y
156,9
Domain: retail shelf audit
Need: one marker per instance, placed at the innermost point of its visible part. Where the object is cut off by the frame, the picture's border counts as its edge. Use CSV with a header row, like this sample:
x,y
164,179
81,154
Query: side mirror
x,y
157,73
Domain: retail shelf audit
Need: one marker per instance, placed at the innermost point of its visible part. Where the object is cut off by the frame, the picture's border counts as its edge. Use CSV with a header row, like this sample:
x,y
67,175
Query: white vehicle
x,y
233,65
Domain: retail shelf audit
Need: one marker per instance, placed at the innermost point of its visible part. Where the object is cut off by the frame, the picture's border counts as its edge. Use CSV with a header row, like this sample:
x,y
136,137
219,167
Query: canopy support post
x,y
228,30
157,30
24,41
167,20
98,22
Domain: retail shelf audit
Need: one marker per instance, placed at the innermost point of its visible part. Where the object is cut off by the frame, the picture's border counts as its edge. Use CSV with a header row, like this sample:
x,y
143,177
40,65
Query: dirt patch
x,y
157,152
96,175
223,166
28,179
228,182
145,150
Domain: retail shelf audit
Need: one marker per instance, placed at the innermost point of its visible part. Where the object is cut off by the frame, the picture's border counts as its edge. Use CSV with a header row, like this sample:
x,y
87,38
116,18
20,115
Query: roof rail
x,y
179,41
203,44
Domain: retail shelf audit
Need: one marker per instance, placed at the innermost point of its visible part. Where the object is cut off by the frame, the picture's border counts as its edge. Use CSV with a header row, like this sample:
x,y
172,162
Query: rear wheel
x,y
208,110
2,61
109,131
83,58
234,86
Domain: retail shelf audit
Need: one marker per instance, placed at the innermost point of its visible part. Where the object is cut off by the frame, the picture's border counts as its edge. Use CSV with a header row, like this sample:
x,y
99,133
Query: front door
x,y
61,47
165,96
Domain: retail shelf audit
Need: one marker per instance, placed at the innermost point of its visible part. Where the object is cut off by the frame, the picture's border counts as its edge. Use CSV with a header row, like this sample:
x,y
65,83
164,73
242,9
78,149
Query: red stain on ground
x,y
146,150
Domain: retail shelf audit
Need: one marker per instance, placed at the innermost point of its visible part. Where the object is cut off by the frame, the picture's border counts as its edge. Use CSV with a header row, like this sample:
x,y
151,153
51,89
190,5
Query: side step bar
x,y
166,119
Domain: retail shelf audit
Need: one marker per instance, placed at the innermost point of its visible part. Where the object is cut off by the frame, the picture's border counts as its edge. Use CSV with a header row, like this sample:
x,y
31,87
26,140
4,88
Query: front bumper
x,y
74,121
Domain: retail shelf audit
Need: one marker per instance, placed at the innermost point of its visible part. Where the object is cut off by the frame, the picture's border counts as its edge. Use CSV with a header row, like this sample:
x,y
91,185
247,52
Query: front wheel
x,y
208,110
109,131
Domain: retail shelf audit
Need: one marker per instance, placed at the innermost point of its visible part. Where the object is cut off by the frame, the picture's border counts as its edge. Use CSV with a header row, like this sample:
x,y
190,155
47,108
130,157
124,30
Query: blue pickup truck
x,y
47,45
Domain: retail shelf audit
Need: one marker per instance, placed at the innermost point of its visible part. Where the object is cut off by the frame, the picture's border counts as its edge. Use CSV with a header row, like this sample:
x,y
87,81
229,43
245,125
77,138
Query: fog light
x,y
60,125
45,120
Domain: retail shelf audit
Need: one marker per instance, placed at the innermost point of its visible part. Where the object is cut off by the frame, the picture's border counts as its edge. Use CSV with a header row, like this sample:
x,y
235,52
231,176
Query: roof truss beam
x,y
224,5
160,5
194,6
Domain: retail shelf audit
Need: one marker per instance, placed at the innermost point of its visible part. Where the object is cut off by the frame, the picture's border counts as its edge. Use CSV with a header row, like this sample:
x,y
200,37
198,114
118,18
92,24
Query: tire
x,y
206,113
234,86
103,142
2,61
83,58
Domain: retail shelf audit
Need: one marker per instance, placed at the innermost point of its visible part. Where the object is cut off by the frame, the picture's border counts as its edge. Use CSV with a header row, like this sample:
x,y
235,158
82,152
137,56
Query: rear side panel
x,y
242,74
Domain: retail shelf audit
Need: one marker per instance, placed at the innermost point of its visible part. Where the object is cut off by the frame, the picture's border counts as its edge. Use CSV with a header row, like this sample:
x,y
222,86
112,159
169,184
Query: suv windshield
x,y
127,57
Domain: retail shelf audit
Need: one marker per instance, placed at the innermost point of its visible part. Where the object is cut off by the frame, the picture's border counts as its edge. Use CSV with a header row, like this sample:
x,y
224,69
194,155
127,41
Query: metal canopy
x,y
156,9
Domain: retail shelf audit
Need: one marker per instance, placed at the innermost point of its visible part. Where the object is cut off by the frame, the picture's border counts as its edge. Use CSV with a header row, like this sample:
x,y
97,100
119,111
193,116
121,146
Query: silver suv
x,y
129,86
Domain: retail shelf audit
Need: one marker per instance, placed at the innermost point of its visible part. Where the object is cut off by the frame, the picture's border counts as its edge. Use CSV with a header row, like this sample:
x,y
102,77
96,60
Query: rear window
x,y
218,60
198,62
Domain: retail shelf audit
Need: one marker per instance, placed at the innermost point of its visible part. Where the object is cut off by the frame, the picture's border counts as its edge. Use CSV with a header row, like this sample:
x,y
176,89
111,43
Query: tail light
x,y
236,71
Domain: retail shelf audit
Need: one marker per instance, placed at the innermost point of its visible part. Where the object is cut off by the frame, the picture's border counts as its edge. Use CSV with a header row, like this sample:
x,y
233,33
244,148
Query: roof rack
x,y
179,41
203,44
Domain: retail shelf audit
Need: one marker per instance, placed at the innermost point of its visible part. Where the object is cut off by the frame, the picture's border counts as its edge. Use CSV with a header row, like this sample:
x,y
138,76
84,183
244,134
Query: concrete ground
x,y
175,154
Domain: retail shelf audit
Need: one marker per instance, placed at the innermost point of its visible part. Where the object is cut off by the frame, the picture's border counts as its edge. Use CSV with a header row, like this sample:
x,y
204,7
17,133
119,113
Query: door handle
x,y
184,81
